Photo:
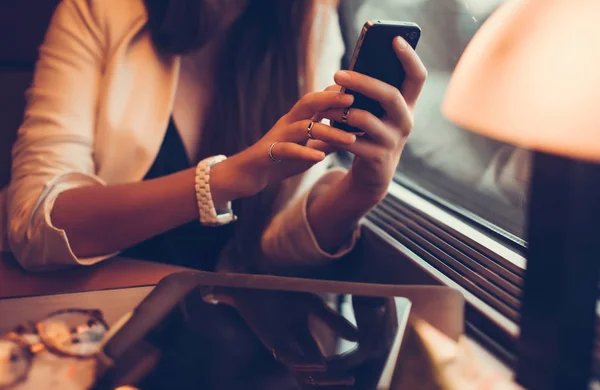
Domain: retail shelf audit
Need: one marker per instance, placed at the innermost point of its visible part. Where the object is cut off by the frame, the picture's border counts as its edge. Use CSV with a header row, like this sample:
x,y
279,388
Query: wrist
x,y
361,193
230,181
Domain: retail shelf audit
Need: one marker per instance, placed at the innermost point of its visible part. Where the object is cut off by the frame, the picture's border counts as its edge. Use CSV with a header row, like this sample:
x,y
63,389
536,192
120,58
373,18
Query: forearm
x,y
334,214
102,220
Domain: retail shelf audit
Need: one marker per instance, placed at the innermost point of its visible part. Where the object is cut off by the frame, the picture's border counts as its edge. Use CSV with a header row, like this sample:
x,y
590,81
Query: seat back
x,y
23,24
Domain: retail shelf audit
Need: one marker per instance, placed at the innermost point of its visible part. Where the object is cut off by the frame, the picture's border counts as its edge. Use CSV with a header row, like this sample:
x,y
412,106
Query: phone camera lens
x,y
413,35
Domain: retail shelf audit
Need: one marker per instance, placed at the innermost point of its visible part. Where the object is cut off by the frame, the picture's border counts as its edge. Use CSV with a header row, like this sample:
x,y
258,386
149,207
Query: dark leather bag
x,y
176,340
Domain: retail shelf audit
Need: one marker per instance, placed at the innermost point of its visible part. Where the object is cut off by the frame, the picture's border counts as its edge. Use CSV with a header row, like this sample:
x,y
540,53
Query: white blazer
x,y
97,113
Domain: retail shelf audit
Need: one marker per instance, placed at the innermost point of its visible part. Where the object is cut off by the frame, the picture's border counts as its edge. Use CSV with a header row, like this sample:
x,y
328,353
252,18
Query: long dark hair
x,y
261,73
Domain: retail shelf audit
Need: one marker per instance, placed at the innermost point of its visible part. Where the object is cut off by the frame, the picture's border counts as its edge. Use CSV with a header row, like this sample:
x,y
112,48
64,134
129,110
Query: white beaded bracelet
x,y
206,207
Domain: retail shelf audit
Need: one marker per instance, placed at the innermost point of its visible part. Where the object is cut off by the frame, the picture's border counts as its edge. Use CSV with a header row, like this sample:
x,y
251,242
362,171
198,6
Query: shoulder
x,y
107,20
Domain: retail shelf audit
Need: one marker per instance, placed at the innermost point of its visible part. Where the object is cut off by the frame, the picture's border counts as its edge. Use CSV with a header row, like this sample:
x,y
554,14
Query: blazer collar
x,y
136,102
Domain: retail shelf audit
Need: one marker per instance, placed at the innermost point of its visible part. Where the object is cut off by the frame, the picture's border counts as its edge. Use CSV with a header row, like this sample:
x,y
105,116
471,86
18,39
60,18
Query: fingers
x,y
290,151
416,73
365,148
315,102
317,117
322,146
387,95
364,121
320,131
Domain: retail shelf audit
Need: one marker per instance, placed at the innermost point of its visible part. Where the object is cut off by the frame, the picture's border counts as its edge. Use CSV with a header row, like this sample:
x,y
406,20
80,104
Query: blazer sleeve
x,y
53,150
289,240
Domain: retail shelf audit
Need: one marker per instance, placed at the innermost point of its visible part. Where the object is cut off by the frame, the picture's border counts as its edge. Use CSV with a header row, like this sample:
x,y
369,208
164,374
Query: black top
x,y
190,245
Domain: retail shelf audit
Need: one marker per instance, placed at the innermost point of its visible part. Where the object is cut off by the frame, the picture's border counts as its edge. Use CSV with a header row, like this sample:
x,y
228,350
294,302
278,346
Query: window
x,y
482,180
458,204
448,174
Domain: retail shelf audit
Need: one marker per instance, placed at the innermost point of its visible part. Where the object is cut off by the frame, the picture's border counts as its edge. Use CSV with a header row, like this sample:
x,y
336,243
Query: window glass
x,y
476,176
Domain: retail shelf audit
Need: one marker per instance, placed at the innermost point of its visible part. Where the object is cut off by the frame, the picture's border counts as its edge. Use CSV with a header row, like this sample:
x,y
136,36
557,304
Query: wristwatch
x,y
209,216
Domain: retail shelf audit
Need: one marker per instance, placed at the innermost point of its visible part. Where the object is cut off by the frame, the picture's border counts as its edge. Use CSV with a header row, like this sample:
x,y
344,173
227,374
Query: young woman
x,y
135,104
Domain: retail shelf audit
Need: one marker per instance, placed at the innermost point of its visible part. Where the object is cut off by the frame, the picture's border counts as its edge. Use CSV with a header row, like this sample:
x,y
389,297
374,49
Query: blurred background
x,y
484,180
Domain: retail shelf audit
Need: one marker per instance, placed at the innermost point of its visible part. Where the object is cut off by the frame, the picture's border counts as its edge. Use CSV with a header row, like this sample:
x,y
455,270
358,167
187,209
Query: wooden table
x,y
114,286
113,304
110,274
117,285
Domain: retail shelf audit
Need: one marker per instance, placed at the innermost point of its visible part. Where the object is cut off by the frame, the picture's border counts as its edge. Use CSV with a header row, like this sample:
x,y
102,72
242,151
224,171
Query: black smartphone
x,y
374,56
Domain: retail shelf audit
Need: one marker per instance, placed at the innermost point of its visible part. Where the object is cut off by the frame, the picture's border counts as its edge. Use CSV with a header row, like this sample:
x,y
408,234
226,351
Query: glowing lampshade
x,y
531,77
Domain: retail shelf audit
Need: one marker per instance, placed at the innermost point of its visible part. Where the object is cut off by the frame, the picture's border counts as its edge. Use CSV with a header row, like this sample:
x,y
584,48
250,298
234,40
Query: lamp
x,y
531,77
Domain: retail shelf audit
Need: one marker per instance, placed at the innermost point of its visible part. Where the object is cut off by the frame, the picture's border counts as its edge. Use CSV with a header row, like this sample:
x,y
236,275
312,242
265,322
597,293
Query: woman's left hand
x,y
378,154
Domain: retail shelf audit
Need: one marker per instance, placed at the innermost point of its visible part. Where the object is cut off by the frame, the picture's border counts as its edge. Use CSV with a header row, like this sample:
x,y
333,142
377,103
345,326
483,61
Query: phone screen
x,y
242,338
374,56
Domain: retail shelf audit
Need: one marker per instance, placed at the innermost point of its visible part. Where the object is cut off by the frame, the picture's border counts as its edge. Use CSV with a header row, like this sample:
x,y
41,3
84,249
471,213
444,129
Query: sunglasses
x,y
75,333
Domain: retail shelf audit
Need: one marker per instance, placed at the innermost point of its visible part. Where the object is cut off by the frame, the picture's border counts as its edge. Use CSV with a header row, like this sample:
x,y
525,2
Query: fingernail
x,y
342,76
402,44
352,138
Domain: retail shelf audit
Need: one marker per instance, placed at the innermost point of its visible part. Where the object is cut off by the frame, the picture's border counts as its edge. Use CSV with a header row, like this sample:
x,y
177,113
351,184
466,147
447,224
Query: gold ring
x,y
309,130
345,115
271,153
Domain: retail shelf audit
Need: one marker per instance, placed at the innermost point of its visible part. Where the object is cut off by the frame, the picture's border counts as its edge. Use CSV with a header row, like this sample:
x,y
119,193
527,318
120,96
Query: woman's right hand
x,y
253,169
